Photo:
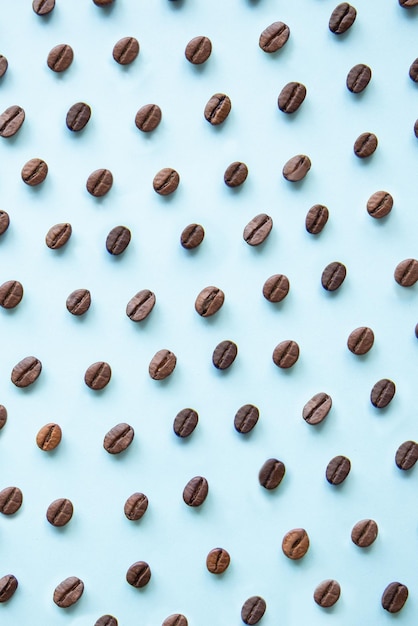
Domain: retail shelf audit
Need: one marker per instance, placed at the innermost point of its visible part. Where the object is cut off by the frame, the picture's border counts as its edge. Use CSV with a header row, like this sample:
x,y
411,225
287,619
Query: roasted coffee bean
x,y
333,276
217,561
198,50
78,302
106,620
276,288
166,181
103,3
360,340
60,58
4,222
379,204
295,543
406,272
413,71
318,407
364,533
11,294
148,117
8,585
139,574
34,172
258,229
296,168
327,593
185,422
3,65
3,416
162,364
407,455
382,393
78,116
271,474
43,7
246,418
416,128
416,331
118,438
126,50
98,375
49,437
141,305
68,592
316,218
60,512
342,18
285,354
11,120
177,619
217,109
118,240
99,182
235,174
136,506
224,354
58,235
274,37
365,145
196,491
394,597
192,236
338,469
209,301
253,610
26,371
11,499
408,4
291,97
358,78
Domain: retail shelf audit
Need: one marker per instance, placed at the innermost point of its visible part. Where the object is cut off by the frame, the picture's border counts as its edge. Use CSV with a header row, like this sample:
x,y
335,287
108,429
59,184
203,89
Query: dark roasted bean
x,y
408,4
274,37
11,120
217,109
413,71
11,499
235,174
224,354
138,574
78,116
26,371
192,236
98,375
11,293
126,50
60,512
337,470
4,222
196,491
379,204
3,416
291,97
253,610
327,593
286,353
43,7
141,305
78,302
166,181
258,229
209,301
68,592
136,506
360,340
407,455
394,597
185,422
49,437
177,619
119,438
365,145
106,620
8,585
358,78
60,58
246,418
217,561
198,50
118,240
99,182
318,407
271,474
148,117
333,276
58,235
276,288
342,18
162,364
34,172
316,218
4,64
406,272
364,533
382,393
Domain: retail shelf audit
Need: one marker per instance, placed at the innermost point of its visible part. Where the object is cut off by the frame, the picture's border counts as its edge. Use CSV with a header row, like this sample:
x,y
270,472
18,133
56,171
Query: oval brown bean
x,y
224,354
296,168
382,393
276,288
60,512
3,416
11,293
338,469
198,50
138,574
58,235
318,407
271,474
4,64
11,120
364,533
333,276
327,593
49,437
394,597
342,18
253,610
185,422
258,229
34,172
11,499
8,586
209,301
406,272
246,418
291,97
365,145
358,78
192,236
118,240
4,222
235,174
43,7
274,37
166,181
162,364
218,560
126,50
136,506
177,619
119,438
217,109
99,182
26,371
68,592
360,340
141,305
148,118
316,218
407,455
78,116
60,58
285,354
196,491
379,204
98,375
295,543
79,301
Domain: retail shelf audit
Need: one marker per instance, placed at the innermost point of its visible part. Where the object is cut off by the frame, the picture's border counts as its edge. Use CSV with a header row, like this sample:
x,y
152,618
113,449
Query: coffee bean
x,y
141,305
224,354
382,393
408,4
4,222
413,71
175,620
276,288
295,543
3,416
291,97
318,407
166,181
49,437
246,418
148,117
253,610
43,7
342,18
271,474
26,371
196,491
365,145
364,533
68,592
217,109
192,236
162,364
327,593
235,174
286,353
217,561
106,620
333,276
3,65
11,293
360,340
78,302
394,597
416,128
58,235
34,172
103,3
136,506
8,585
358,78
10,500
296,168
379,204
126,50
118,240
337,470
198,50
139,574
407,455
274,37
185,422
99,182
98,375
258,229
119,438
416,331
60,58
60,512
406,272
209,301
11,120
316,218
78,116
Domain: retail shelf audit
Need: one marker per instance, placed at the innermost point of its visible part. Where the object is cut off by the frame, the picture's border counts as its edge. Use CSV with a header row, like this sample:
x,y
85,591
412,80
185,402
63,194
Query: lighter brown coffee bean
x,y
364,533
360,340
192,236
166,181
196,491
34,172
209,301
4,222
60,512
407,455
79,301
218,560
316,218
406,272
235,174
11,120
8,586
3,65
318,407
342,18
246,418
118,240
333,276
162,364
285,354
49,437
141,305
139,574
382,393
365,145
68,592
408,4
11,293
11,499
177,619
43,7
291,97
271,474
337,470
217,109
98,375
295,543
379,204
358,78
258,229
58,235
185,422
394,597
274,37
296,168
126,50
60,58
99,182
198,50
3,416
327,593
148,118
26,371
78,116
119,438
224,354
136,506
276,288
